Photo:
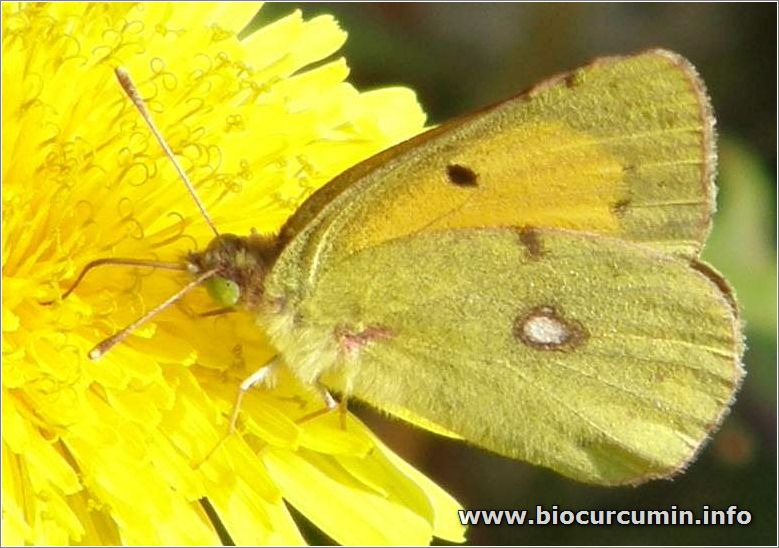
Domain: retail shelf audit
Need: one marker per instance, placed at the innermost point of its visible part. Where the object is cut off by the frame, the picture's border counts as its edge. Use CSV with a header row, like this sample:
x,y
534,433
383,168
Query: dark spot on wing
x,y
529,238
717,279
574,79
620,207
461,175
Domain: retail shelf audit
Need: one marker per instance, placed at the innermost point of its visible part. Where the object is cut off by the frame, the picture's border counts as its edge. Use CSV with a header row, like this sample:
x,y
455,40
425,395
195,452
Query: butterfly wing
x,y
587,338
604,360
621,147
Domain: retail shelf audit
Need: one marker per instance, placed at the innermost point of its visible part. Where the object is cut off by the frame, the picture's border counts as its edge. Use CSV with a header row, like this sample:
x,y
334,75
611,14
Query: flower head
x,y
127,449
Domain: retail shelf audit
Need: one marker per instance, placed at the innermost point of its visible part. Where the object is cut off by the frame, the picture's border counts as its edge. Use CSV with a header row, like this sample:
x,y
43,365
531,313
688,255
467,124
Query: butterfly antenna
x,y
115,261
132,92
99,350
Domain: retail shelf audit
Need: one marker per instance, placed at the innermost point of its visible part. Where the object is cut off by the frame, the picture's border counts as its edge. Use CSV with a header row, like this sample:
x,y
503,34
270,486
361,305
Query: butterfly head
x,y
240,264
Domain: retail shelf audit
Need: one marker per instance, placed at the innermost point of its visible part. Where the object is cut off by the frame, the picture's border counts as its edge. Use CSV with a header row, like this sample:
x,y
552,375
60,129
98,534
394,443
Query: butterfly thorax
x,y
241,264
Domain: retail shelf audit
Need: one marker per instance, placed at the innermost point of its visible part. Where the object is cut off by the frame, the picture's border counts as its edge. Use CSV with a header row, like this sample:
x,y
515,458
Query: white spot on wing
x,y
546,330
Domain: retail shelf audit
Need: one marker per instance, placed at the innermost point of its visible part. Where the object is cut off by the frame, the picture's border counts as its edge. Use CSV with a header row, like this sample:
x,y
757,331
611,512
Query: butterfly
x,y
526,278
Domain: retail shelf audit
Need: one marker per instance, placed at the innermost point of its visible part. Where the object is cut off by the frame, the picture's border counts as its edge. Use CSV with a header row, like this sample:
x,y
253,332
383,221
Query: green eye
x,y
225,292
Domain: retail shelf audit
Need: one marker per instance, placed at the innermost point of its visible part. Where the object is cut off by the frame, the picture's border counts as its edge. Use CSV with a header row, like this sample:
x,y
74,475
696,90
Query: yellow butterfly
x,y
526,277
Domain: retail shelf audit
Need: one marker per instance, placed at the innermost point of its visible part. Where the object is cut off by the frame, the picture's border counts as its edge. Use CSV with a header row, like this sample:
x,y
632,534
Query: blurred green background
x,y
459,57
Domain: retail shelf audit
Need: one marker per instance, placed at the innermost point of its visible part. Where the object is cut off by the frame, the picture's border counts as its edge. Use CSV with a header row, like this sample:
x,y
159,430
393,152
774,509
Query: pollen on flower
x,y
82,180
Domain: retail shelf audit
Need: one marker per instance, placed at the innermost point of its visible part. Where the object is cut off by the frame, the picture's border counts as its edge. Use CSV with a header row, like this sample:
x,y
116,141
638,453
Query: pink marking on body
x,y
350,342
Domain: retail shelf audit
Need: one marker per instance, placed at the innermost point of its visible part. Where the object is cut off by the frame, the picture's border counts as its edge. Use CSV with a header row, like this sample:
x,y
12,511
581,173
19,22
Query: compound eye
x,y
224,291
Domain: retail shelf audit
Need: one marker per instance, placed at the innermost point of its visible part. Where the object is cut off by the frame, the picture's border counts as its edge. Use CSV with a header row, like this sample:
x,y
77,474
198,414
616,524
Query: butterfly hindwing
x,y
603,360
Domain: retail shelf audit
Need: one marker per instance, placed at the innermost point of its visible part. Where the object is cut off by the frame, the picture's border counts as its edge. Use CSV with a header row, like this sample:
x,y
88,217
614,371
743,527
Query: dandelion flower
x,y
122,450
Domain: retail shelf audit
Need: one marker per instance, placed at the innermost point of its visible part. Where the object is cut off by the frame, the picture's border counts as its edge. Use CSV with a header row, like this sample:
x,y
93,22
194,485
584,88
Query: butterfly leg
x,y
330,404
256,378
342,410
217,312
